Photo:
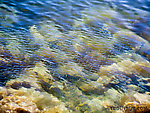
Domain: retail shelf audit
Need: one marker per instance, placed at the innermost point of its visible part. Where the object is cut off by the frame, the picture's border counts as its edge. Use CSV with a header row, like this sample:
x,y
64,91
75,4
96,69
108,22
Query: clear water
x,y
62,32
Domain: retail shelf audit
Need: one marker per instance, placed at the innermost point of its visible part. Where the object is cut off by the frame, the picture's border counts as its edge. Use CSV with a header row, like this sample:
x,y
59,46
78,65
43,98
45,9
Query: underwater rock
x,y
56,55
102,102
93,36
73,97
49,38
112,18
124,73
37,74
92,61
40,79
81,71
114,95
111,99
50,31
55,88
129,55
29,100
10,66
42,72
38,38
145,51
137,108
143,70
126,66
129,40
91,88
15,48
90,106
46,34
16,85
90,33
136,102
104,79
103,13
71,68
16,104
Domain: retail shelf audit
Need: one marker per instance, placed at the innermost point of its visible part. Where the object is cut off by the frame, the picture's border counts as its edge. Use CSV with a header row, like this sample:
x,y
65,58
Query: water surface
x,y
95,47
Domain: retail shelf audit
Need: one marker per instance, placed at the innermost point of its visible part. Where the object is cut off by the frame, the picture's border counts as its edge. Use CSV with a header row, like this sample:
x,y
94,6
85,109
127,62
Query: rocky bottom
x,y
89,69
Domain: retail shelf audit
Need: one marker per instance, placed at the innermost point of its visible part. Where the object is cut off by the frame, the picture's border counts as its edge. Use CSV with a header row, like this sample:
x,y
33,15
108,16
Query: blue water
x,y
80,51
16,18
22,14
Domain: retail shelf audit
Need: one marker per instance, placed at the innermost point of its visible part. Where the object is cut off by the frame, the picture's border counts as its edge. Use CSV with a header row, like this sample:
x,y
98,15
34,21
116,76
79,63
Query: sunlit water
x,y
82,35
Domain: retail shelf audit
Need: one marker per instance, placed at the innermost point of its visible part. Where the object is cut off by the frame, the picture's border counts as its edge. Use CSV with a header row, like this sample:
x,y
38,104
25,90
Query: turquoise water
x,y
92,45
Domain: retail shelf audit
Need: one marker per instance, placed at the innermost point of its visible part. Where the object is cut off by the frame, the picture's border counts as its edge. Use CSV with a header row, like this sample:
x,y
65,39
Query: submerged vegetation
x,y
97,64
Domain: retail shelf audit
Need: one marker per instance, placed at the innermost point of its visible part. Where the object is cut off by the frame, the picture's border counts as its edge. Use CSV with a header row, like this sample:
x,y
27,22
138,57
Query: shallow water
x,y
94,45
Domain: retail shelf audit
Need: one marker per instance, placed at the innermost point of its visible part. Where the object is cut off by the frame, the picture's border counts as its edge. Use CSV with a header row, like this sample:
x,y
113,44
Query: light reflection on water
x,y
18,16
135,14
78,40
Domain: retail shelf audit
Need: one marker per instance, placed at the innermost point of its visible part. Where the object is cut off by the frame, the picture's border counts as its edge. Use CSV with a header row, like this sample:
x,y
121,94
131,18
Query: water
x,y
21,15
94,45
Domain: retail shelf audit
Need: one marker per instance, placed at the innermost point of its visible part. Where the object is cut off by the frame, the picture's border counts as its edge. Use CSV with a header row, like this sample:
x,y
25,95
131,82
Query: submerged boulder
x,y
130,41
17,104
136,102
